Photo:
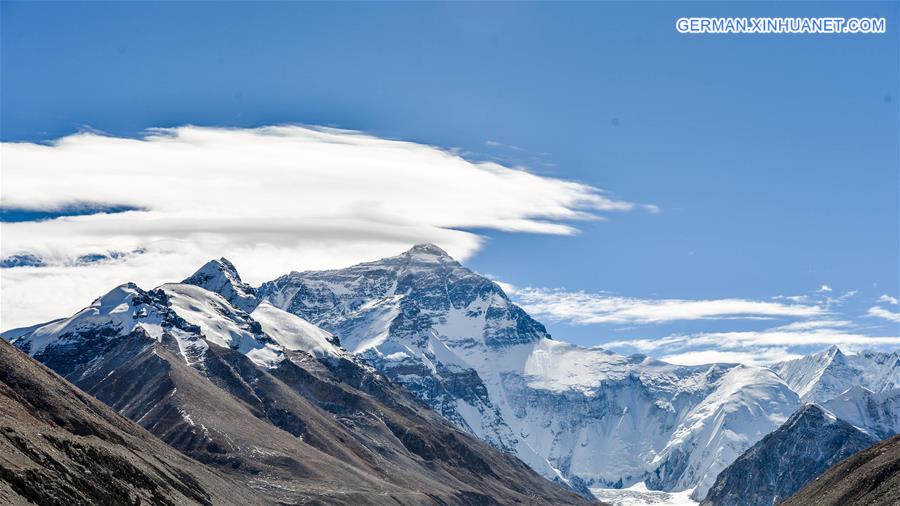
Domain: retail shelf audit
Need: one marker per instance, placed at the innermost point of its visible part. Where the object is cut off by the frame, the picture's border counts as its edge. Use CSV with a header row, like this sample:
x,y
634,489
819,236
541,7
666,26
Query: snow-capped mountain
x,y
822,376
588,417
272,400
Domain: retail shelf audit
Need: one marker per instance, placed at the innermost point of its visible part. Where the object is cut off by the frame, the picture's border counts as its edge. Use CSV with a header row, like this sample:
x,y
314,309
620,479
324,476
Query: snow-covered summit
x,y
119,311
413,292
427,252
221,276
827,374
189,315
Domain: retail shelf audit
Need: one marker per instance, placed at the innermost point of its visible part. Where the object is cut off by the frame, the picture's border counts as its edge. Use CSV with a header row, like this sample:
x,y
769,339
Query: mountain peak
x,y
835,355
426,249
224,265
221,276
425,255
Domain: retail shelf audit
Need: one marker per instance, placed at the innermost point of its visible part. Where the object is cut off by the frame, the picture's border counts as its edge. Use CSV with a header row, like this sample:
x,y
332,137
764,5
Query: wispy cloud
x,y
796,324
592,308
816,324
759,346
778,336
758,356
887,314
887,299
271,199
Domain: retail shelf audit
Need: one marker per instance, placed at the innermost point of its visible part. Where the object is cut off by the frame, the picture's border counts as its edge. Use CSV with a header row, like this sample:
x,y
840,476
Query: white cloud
x,y
506,287
887,299
798,324
815,324
824,289
880,312
756,356
762,346
591,308
270,199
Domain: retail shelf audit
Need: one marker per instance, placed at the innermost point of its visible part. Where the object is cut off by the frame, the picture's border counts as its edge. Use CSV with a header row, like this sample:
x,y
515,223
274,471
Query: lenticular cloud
x,y
270,198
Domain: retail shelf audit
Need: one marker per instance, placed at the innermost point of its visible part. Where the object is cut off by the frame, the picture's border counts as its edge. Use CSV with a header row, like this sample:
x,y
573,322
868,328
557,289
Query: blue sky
x,y
773,159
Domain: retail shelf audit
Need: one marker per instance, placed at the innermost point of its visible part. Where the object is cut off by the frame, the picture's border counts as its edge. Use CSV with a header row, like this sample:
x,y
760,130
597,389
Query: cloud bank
x,y
271,199
588,308
793,325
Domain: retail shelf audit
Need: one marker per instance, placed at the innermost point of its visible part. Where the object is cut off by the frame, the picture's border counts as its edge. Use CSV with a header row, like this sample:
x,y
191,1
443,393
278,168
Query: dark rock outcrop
x,y
869,478
809,442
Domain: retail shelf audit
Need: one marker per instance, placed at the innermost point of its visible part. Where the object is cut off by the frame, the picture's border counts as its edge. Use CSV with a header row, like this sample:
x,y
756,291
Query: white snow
x,y
640,495
116,309
877,414
827,374
293,332
213,314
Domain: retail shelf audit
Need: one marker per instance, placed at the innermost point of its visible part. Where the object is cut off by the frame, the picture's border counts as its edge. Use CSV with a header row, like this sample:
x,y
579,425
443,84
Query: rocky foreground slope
x,y
869,478
60,446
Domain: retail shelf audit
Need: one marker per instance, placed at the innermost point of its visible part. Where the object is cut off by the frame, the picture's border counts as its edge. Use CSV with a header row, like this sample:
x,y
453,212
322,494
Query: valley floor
x,y
639,495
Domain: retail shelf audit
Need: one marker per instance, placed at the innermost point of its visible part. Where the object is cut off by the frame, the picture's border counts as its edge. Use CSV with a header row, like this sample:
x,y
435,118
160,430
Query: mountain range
x,y
269,401
319,383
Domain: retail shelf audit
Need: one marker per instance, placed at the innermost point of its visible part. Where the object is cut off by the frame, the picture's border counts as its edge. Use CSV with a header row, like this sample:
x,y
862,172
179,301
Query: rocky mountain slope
x,y
271,400
60,446
869,478
777,466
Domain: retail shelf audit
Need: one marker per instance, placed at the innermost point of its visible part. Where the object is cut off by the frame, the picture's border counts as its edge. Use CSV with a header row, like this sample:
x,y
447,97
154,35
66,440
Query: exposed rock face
x,y
61,446
869,478
273,402
781,463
